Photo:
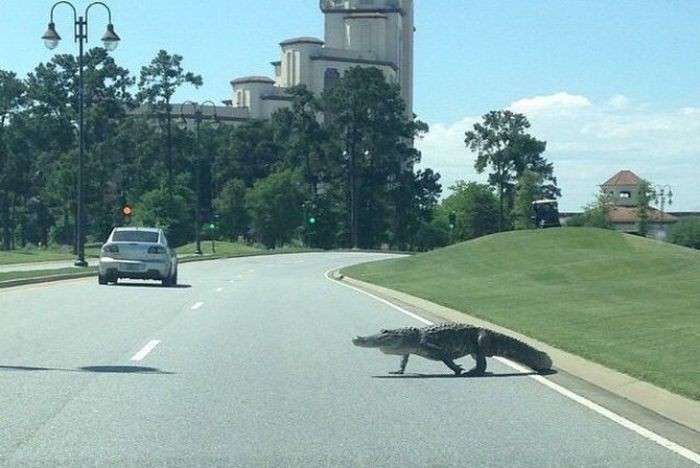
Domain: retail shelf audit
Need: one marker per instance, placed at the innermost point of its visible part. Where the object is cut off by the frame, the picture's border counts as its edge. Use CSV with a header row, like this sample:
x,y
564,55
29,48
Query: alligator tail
x,y
496,344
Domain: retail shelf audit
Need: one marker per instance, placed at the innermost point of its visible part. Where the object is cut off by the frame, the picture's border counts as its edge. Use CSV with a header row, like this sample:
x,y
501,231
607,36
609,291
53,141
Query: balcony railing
x,y
327,5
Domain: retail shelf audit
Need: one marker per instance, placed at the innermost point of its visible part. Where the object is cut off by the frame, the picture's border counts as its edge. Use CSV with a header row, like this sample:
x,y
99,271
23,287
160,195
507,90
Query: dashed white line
x,y
219,289
624,422
145,350
197,305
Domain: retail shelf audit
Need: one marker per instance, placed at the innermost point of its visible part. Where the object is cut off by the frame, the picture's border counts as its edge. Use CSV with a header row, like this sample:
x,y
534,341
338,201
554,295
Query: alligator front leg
x,y
402,367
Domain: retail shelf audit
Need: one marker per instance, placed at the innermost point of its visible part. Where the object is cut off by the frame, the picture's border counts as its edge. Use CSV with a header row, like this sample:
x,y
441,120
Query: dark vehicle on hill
x,y
545,213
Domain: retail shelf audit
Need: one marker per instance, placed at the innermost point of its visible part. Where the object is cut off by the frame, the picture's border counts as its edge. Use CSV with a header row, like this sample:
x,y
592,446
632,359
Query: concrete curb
x,y
669,405
45,279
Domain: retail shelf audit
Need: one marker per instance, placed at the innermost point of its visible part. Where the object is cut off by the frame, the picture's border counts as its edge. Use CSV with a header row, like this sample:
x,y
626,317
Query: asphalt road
x,y
249,363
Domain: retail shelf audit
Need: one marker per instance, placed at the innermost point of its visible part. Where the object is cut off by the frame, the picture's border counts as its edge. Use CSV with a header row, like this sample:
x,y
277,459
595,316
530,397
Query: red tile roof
x,y
628,214
625,177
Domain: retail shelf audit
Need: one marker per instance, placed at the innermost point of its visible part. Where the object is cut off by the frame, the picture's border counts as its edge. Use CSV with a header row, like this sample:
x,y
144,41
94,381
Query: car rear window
x,y
135,236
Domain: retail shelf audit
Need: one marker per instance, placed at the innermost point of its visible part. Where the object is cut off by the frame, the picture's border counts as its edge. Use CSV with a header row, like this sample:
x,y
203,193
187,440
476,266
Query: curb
x,y
45,279
677,408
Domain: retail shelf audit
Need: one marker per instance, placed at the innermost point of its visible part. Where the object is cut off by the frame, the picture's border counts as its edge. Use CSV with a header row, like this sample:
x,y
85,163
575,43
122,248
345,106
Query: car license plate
x,y
133,267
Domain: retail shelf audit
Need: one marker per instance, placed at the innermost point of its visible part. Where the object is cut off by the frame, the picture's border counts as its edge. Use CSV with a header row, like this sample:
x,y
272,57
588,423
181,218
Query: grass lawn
x,y
222,248
40,255
629,303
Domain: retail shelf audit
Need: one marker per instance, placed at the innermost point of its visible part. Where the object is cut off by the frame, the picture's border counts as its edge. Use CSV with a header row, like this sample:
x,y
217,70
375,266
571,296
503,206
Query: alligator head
x,y
396,341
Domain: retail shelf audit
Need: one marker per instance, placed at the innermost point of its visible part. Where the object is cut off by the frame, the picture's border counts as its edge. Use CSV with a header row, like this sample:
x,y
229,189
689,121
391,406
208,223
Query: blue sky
x,y
609,85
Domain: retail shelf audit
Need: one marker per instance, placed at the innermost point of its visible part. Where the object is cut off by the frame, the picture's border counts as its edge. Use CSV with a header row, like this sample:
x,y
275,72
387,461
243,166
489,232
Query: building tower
x,y
376,33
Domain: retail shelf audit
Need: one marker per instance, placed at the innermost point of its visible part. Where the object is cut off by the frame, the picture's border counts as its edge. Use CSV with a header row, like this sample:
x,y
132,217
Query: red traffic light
x,y
126,210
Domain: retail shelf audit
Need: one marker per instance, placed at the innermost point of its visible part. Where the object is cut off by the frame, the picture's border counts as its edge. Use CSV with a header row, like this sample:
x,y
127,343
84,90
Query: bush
x,y
686,232
432,235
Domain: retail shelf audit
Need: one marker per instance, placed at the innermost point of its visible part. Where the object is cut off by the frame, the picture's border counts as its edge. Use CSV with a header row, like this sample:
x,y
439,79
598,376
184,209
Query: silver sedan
x,y
140,253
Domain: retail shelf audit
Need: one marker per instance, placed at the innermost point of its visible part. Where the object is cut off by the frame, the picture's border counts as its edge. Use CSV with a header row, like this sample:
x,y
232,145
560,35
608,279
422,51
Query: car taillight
x,y
111,248
156,249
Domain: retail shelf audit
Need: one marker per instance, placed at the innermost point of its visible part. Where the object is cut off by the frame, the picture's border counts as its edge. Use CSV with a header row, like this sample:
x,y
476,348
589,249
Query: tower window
x,y
330,78
292,67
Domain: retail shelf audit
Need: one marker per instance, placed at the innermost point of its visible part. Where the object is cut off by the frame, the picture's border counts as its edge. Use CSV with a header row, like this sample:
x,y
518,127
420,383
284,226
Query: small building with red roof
x,y
623,189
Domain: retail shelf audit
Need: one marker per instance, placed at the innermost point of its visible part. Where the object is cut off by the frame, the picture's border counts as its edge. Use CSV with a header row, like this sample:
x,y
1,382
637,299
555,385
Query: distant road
x,y
249,363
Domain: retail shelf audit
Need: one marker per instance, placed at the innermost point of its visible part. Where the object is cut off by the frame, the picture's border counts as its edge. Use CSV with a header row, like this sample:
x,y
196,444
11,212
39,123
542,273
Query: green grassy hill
x,y
624,301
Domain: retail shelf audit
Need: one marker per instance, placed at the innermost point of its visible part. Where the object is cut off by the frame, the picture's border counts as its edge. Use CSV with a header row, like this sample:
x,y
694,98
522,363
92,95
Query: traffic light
x,y
453,220
126,212
309,212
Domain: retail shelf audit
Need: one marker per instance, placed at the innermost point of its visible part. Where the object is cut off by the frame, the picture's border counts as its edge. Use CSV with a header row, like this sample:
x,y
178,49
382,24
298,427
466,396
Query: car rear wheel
x,y
101,279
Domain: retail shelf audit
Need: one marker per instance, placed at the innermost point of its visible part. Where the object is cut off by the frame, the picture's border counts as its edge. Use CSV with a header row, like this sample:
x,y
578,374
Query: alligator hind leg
x,y
451,364
402,367
480,367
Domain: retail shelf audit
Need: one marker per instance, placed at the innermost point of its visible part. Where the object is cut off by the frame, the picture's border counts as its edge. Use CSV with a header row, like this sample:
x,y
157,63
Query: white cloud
x,y
588,142
618,101
557,103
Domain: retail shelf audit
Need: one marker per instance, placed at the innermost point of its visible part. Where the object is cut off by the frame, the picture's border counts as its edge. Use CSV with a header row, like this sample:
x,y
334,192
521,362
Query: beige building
x,y
623,189
376,33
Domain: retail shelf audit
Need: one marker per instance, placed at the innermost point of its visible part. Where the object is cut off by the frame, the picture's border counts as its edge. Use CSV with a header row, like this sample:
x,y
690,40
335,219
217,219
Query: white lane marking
x,y
145,350
219,289
624,422
197,305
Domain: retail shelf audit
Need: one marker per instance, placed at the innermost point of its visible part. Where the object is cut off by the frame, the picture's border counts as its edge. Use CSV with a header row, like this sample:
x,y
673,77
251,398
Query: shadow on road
x,y
462,376
98,369
151,285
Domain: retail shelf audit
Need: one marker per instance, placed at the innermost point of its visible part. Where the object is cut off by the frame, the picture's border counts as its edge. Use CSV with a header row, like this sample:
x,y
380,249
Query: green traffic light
x,y
312,220
212,226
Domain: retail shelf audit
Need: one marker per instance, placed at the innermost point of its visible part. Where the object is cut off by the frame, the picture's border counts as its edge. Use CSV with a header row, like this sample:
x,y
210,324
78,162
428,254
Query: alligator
x,y
449,341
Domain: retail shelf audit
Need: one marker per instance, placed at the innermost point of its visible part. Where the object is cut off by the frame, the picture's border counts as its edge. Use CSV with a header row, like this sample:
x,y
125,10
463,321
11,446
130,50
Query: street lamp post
x,y
110,41
198,116
4,197
660,196
352,182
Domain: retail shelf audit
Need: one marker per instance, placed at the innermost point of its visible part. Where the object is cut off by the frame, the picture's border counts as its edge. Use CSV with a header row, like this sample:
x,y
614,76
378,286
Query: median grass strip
x,y
15,275
222,248
626,302
185,254
35,255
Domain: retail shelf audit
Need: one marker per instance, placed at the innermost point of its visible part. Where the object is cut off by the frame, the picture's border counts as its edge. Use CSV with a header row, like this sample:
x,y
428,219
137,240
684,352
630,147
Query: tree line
x,y
338,170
